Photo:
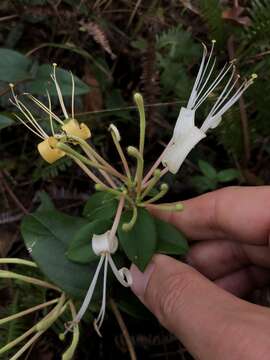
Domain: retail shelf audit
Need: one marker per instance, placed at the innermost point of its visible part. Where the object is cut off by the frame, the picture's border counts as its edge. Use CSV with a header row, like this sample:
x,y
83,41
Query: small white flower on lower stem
x,y
103,245
186,134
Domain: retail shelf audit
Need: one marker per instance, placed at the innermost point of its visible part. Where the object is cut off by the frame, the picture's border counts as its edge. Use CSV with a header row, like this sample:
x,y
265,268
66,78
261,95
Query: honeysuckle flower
x,y
104,245
186,134
70,126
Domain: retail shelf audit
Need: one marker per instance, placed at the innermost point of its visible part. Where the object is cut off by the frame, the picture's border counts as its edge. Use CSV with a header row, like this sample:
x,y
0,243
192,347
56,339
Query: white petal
x,y
184,122
216,120
179,150
104,243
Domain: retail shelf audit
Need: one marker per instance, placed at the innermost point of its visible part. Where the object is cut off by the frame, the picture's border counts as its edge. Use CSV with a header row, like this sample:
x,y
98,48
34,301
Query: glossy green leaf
x,y
228,175
170,240
5,121
80,249
14,66
43,81
48,234
101,205
139,244
207,169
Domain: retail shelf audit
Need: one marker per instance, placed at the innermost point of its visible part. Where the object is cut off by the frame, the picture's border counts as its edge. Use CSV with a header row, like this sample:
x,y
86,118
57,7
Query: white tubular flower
x,y
186,134
103,245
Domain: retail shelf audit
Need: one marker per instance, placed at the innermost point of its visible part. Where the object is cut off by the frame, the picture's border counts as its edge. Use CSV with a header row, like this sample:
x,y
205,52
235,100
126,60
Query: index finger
x,y
232,213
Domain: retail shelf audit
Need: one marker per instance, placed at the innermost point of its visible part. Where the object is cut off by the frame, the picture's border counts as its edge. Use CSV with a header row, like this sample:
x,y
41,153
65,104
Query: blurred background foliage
x,y
115,48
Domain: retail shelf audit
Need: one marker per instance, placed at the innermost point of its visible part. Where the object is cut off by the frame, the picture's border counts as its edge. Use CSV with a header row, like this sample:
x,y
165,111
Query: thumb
x,y
209,321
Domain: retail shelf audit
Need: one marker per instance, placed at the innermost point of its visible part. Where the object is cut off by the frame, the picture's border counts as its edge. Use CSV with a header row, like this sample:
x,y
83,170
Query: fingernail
x,y
140,279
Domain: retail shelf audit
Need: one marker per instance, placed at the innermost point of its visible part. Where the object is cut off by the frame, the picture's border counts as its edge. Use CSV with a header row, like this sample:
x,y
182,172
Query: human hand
x,y
231,228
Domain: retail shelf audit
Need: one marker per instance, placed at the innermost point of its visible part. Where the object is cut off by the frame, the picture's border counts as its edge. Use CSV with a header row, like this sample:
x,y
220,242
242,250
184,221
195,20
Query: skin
x,y
201,302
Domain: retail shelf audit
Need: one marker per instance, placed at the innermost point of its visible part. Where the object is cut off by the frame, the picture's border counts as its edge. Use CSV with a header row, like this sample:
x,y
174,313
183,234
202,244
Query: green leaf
x,y
43,81
228,175
203,183
46,202
5,121
99,206
170,240
139,243
48,235
14,66
207,169
80,249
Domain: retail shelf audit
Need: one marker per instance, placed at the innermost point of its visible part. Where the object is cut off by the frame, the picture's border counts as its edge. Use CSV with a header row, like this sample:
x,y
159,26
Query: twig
x,y
124,329
12,195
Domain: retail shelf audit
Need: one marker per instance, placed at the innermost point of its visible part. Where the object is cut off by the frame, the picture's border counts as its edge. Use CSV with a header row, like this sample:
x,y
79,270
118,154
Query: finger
x,y
215,259
233,213
211,323
242,282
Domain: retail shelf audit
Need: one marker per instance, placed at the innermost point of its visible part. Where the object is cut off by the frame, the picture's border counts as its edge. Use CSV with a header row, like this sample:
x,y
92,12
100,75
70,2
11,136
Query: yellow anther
x,y
254,76
11,85
54,65
48,151
74,128
214,41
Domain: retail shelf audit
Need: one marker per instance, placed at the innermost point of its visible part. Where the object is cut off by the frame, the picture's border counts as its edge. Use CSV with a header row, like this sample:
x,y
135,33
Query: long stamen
x,y
226,106
90,292
28,127
194,89
23,109
215,83
208,62
98,322
221,97
72,95
50,114
59,93
44,108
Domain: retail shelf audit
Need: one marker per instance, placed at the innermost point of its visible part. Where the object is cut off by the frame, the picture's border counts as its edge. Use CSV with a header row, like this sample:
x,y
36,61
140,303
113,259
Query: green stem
x,y
128,226
105,188
119,149
28,311
18,262
87,148
12,275
163,190
151,183
140,105
132,151
69,353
